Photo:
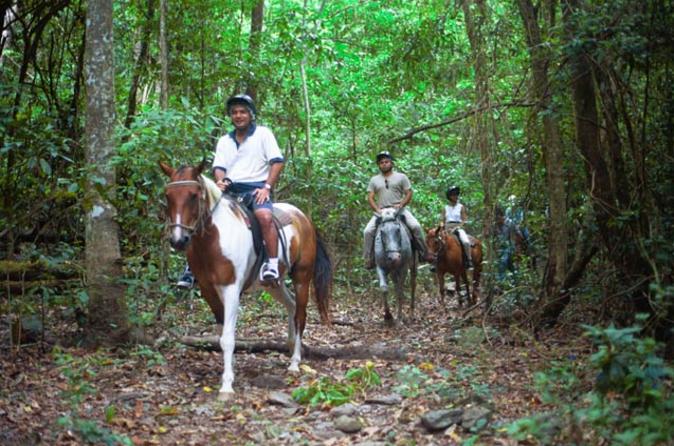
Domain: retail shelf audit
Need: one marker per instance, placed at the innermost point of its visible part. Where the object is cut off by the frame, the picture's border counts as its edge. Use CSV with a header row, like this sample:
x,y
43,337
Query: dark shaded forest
x,y
555,115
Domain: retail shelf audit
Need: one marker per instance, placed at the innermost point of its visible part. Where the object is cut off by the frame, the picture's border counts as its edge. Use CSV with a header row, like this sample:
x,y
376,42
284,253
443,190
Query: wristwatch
x,y
267,186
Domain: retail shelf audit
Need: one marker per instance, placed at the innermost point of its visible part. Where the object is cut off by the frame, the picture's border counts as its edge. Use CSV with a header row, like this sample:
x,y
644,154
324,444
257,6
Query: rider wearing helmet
x,y
390,189
454,217
248,161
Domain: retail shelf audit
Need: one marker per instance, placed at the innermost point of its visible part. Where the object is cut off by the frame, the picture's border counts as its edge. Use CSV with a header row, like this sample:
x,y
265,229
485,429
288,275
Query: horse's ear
x,y
439,228
168,170
378,220
202,166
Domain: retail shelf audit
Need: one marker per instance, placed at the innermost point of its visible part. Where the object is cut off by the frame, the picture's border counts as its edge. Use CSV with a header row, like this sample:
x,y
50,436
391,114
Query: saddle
x,y
280,219
400,219
471,239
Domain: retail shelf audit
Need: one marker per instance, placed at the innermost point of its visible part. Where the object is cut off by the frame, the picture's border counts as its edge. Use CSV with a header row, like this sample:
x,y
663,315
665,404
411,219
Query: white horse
x,y
394,255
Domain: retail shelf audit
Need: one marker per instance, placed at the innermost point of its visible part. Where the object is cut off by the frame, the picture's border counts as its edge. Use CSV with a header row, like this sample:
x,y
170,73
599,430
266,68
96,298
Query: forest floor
x,y
167,394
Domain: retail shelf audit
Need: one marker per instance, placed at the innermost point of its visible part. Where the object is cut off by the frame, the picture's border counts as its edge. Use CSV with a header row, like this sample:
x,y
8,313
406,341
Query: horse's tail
x,y
323,271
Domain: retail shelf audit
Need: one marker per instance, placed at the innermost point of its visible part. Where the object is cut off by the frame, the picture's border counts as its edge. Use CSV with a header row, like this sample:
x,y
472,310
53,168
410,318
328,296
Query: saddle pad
x,y
282,217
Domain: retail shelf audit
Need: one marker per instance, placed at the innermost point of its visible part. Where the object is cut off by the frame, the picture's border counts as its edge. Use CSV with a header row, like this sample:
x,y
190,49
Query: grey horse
x,y
394,255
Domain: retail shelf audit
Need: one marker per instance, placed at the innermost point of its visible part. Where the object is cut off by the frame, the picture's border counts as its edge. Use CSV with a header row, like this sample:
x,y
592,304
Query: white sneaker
x,y
268,273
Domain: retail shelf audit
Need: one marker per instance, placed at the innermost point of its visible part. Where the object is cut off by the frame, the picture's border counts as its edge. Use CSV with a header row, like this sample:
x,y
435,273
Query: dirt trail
x,y
168,395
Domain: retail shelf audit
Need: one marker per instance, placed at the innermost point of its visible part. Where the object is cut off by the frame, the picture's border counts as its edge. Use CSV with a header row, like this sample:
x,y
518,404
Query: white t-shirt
x,y
453,213
250,161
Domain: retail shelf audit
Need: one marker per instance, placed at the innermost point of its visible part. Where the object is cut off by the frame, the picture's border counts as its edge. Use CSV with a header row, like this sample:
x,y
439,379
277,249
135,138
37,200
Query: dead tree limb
x,y
460,117
380,351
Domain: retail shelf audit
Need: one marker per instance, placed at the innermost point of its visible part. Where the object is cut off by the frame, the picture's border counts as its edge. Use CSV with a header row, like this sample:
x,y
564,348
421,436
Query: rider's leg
x,y
270,269
465,241
368,242
418,234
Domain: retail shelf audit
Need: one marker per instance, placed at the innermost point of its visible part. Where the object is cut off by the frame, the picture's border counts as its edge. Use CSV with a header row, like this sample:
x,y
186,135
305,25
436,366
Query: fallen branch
x,y
380,351
19,286
17,270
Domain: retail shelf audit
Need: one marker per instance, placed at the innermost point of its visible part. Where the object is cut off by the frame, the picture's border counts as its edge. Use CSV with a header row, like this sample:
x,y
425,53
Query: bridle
x,y
440,239
391,220
199,223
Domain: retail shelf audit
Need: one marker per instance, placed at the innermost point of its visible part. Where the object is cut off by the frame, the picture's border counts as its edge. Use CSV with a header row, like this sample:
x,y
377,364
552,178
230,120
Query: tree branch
x,y
462,116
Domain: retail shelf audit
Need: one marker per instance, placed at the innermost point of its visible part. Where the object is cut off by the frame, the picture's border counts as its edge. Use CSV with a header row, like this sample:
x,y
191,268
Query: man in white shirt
x,y
248,161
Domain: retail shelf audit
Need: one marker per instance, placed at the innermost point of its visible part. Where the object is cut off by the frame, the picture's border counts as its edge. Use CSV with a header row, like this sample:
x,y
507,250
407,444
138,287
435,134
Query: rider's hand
x,y
223,184
261,195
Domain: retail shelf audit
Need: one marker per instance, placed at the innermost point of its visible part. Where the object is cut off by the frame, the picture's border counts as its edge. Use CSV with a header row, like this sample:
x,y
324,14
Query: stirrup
x,y
268,274
186,281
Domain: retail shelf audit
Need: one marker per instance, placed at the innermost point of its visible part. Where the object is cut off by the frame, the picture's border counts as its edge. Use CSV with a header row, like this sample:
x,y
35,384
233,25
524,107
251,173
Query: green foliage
x,y
78,371
412,380
326,391
152,357
631,402
92,432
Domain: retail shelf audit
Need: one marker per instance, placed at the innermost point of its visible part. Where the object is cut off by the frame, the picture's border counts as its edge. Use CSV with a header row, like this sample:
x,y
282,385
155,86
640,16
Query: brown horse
x,y
449,259
215,231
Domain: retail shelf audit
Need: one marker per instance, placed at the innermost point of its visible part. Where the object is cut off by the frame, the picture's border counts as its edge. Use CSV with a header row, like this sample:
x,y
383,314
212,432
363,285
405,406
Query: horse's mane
x,y
213,194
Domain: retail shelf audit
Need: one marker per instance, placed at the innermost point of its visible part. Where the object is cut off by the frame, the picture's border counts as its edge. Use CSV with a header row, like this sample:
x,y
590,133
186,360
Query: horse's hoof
x,y
294,368
225,396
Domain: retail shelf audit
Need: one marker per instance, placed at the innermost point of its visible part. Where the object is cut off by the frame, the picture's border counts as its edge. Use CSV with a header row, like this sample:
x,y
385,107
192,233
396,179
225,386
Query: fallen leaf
x,y
306,369
138,409
168,410
426,366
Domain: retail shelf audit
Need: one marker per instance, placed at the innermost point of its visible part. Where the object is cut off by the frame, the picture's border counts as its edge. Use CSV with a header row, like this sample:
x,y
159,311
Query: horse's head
x,y
391,229
435,240
185,200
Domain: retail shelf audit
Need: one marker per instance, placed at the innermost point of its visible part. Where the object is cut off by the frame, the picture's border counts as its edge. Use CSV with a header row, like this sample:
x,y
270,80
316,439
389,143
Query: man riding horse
x,y
248,161
391,189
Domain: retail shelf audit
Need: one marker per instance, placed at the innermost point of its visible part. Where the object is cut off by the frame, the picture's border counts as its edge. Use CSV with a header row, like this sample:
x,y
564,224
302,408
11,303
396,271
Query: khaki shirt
x,y
389,190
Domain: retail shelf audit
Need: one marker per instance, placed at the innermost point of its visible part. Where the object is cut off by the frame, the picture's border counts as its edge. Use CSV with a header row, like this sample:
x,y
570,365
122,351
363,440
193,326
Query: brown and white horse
x,y
447,250
214,231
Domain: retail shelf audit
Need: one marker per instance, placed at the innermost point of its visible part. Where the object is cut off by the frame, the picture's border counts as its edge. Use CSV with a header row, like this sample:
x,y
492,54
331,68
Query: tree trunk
x,y
138,66
163,55
617,237
256,22
475,13
553,157
74,129
305,88
107,321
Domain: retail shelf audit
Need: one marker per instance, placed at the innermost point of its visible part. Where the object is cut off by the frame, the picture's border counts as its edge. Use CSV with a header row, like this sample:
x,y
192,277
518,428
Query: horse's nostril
x,y
181,243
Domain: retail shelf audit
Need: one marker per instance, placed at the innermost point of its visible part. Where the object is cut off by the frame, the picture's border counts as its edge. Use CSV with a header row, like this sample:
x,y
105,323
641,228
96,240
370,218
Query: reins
x,y
440,237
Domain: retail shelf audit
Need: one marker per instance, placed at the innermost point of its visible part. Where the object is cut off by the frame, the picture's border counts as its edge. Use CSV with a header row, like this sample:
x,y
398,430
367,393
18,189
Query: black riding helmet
x,y
453,190
384,154
242,99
